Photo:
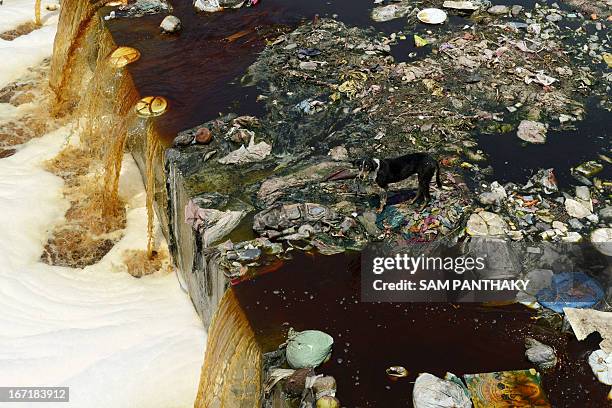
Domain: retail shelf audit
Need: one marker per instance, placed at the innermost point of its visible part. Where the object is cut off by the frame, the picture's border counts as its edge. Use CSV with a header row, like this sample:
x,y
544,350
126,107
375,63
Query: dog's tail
x,y
438,181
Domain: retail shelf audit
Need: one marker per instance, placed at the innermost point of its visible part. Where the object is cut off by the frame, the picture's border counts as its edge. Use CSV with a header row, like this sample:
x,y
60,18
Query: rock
x,y
540,354
576,209
486,223
558,225
516,10
602,240
339,153
532,132
498,10
583,196
308,65
572,237
606,214
430,391
171,24
203,136
575,224
461,5
554,17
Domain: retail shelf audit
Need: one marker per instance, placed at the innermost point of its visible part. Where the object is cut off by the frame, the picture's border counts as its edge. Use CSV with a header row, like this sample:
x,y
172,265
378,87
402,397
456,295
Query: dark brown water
x,y
323,293
199,72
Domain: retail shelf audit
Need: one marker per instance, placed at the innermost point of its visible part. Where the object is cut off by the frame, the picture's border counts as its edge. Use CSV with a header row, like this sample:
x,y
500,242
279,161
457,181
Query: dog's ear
x,y
357,162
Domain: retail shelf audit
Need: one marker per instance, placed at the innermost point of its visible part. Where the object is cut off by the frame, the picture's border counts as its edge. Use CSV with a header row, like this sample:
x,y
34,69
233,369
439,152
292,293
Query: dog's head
x,y
365,165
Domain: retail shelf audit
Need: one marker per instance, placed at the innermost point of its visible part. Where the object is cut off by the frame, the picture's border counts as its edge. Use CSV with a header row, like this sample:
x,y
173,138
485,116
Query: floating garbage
x,y
397,372
589,169
432,16
601,364
507,389
532,132
420,41
309,348
540,354
461,5
587,321
390,11
151,106
433,392
328,402
570,289
123,56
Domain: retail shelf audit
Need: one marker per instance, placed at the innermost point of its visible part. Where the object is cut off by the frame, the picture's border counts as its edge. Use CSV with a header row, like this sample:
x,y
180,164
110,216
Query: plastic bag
x,y
309,348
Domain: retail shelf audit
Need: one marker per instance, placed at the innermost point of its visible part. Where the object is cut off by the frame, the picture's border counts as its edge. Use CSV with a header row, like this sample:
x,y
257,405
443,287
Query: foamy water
x,y
115,340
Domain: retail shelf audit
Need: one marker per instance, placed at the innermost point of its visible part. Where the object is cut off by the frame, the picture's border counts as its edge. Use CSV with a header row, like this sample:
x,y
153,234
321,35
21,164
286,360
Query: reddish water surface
x,y
323,293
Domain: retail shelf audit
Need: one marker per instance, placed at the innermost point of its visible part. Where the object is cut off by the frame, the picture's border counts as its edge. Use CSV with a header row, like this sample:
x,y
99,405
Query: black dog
x,y
387,171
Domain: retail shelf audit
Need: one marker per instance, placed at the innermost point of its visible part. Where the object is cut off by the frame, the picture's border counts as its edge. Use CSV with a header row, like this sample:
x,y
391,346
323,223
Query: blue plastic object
x,y
571,289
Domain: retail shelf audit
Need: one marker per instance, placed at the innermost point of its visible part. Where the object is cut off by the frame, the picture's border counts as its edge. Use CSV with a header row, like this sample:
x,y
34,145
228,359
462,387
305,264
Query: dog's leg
x,y
383,200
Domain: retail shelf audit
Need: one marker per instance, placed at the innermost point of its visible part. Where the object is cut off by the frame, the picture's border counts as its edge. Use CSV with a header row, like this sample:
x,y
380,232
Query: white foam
x,y
27,50
116,341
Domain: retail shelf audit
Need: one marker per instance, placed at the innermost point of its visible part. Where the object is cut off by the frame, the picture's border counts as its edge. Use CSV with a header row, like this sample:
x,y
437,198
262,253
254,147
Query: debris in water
x,y
571,290
397,372
432,16
171,24
507,389
601,364
123,56
151,106
540,354
432,392
532,132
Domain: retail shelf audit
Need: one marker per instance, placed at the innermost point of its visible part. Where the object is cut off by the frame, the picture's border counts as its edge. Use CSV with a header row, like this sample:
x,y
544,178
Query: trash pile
x,y
290,372
538,211
334,94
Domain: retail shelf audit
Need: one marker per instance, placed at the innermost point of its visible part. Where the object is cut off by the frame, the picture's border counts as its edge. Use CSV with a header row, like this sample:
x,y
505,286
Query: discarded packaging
x,y
507,389
432,16
397,372
123,56
571,289
251,153
433,392
601,364
309,348
587,321
151,106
